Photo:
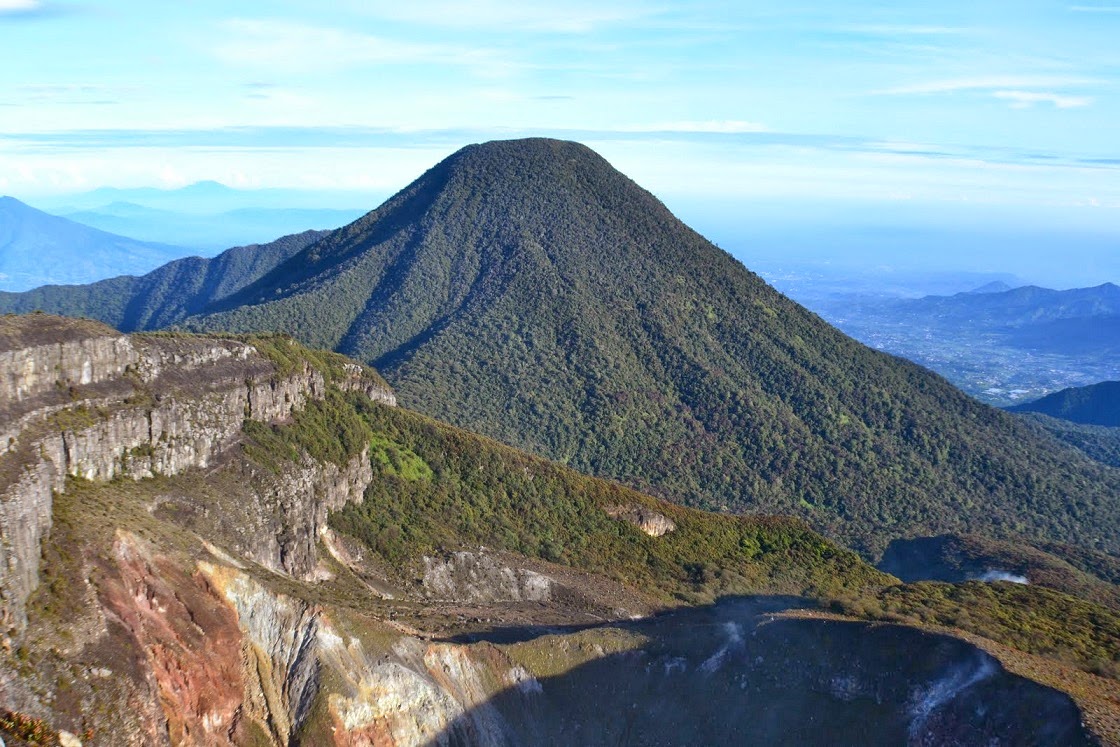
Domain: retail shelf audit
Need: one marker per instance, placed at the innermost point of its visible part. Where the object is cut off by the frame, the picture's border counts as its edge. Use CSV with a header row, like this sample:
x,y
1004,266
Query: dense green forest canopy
x,y
529,291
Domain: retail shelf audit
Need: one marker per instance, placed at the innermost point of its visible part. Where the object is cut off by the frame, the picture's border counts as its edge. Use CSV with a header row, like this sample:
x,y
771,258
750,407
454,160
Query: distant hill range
x,y
1002,346
37,248
210,230
165,295
200,198
1097,404
207,215
1067,321
529,291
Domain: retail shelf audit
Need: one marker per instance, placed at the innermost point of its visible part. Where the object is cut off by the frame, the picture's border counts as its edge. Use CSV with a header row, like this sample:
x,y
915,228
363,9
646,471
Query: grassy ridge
x,y
441,488
1032,619
1091,576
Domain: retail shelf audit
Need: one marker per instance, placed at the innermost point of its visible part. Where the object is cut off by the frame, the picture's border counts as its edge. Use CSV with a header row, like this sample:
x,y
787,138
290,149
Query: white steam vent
x,y
998,575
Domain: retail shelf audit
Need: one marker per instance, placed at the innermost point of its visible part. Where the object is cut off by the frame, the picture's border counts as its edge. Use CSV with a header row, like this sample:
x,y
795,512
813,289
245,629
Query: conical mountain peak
x,y
528,290
490,216
530,162
512,190
539,153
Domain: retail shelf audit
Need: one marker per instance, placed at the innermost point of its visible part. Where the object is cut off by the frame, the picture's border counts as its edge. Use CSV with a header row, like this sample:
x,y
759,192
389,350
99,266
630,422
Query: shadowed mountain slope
x,y
529,291
165,295
1097,404
1098,442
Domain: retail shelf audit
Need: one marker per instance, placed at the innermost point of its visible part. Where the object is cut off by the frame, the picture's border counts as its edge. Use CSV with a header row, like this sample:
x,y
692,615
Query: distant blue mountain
x,y
1079,321
1003,346
206,196
209,198
996,286
1018,307
38,249
211,231
209,215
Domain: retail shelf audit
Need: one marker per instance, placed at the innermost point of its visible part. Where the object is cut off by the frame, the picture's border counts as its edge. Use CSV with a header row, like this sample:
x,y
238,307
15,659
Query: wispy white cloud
x,y
987,82
575,16
283,45
717,126
21,10
63,90
904,30
1027,99
46,94
1022,91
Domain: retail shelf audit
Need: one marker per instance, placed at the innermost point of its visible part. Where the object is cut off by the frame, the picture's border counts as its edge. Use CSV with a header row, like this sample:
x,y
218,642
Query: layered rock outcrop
x,y
79,400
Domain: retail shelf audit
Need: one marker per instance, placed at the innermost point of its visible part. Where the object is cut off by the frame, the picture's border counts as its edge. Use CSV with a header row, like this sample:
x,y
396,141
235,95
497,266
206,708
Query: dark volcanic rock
x,y
734,674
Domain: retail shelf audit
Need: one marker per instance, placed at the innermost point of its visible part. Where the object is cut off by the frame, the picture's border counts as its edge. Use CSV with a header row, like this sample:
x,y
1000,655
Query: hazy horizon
x,y
966,135
906,243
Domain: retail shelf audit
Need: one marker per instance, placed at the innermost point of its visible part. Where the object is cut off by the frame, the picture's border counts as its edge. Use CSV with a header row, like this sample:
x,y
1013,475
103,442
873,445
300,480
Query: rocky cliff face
x,y
478,577
647,520
82,401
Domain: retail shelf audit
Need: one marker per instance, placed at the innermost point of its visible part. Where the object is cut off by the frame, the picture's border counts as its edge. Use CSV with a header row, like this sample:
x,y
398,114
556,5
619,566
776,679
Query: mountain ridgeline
x,y
1097,404
1002,346
529,291
1027,306
165,295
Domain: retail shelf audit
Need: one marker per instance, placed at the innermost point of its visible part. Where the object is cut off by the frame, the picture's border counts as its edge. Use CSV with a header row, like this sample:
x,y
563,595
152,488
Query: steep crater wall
x,y
734,674
79,400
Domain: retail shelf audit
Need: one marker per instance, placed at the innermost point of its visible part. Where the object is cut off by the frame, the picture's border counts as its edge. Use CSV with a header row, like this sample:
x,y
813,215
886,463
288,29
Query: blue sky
x,y
1008,105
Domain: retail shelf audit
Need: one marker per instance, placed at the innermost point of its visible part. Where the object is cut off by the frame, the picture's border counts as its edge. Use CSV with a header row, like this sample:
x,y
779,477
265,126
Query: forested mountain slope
x,y
529,291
